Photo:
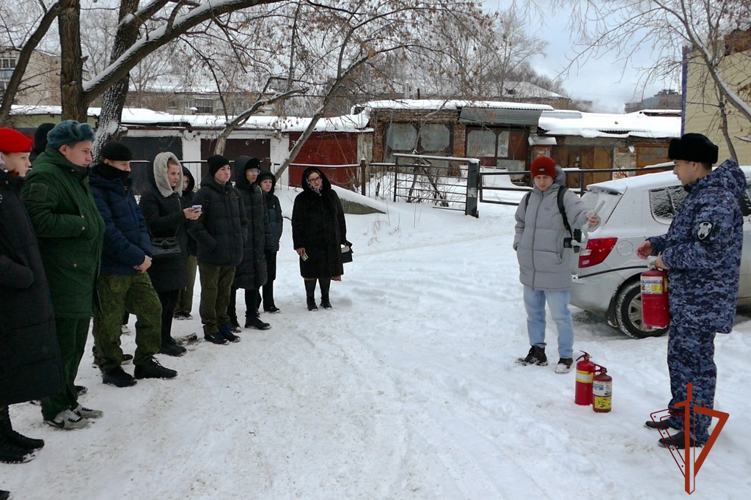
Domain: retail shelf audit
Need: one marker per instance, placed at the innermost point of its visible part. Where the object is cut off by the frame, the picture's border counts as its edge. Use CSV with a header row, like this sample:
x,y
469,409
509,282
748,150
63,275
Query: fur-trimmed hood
x,y
161,179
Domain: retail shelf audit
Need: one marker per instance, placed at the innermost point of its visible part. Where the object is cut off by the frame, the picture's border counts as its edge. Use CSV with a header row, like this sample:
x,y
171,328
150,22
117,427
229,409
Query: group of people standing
x,y
76,244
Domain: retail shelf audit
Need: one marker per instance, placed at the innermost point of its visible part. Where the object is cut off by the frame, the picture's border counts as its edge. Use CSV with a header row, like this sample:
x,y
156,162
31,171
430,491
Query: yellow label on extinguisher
x,y
584,377
651,284
602,403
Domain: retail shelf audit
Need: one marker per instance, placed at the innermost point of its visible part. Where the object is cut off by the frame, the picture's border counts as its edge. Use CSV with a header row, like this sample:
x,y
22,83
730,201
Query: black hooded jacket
x,y
318,226
188,195
252,272
274,208
222,228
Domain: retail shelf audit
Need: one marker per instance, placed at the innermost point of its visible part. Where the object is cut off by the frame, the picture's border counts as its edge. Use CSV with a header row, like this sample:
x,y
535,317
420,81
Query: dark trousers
x,y
691,359
268,288
251,304
216,287
71,336
169,301
185,297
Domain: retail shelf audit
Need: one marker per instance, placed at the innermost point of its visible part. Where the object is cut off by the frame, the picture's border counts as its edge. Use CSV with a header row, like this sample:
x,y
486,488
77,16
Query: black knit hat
x,y
265,174
693,147
216,162
115,151
253,163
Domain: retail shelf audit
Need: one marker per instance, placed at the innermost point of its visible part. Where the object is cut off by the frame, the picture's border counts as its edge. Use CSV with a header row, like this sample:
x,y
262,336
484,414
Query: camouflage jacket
x,y
703,251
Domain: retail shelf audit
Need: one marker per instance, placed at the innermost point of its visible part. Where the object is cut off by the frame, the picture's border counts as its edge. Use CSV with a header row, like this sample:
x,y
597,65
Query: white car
x,y
606,269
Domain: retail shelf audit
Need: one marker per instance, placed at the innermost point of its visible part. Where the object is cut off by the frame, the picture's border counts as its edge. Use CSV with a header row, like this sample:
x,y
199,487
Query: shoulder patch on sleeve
x,y
705,229
38,192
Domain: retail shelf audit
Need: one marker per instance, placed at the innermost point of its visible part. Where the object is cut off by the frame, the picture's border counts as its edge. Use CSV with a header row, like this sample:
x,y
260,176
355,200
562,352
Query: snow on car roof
x,y
652,180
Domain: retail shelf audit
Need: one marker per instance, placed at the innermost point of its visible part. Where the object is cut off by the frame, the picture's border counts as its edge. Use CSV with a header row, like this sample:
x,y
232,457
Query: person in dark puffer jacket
x,y
220,232
124,282
702,254
30,366
166,213
185,297
267,181
318,231
251,273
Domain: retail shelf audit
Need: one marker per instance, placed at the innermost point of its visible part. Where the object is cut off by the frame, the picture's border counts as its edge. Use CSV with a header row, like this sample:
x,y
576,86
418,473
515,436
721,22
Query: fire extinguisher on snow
x,y
602,391
585,371
654,299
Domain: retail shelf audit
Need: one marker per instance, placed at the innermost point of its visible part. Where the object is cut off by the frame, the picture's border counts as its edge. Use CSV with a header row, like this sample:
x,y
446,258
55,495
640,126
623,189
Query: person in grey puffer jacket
x,y
702,253
544,259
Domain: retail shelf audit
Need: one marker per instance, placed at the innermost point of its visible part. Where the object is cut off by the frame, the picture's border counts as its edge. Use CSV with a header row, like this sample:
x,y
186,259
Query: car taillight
x,y
597,250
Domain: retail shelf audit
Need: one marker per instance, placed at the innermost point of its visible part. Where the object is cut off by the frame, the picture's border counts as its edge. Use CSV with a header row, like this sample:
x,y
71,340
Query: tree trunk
x,y
25,56
113,100
74,105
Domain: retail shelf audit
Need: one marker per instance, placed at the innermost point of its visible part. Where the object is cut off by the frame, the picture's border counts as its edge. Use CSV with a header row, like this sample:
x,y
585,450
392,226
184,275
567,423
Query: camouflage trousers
x,y
691,360
137,295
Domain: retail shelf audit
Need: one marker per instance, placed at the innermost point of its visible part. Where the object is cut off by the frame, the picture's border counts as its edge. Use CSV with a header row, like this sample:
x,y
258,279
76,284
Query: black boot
x,y
12,454
310,292
268,298
536,356
152,369
325,286
13,437
170,348
678,442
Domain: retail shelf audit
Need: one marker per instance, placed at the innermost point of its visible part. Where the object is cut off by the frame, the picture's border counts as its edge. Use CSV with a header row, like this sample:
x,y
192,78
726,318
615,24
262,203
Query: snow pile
x,y
406,389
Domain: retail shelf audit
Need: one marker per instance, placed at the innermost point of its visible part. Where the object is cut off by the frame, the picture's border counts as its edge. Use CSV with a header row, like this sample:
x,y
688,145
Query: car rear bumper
x,y
595,293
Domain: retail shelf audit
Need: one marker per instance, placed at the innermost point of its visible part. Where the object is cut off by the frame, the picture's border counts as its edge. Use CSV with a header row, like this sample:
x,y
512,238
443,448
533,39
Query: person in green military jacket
x,y
70,233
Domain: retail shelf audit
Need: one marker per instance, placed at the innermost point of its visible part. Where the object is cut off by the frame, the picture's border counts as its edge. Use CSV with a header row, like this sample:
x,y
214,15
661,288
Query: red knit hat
x,y
13,141
543,165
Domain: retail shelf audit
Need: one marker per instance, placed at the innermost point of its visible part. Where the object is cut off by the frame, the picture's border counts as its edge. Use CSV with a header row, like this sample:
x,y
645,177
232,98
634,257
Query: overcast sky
x,y
600,80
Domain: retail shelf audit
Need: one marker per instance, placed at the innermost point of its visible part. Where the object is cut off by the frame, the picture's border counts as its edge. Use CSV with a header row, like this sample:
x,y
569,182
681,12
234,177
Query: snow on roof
x,y
27,109
448,104
635,124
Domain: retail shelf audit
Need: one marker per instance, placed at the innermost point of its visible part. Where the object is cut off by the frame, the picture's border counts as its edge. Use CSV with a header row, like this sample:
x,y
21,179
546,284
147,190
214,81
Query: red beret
x,y
13,141
543,165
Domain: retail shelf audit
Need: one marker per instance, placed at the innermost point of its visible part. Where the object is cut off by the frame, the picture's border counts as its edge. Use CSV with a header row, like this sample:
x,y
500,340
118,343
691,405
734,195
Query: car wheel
x,y
628,313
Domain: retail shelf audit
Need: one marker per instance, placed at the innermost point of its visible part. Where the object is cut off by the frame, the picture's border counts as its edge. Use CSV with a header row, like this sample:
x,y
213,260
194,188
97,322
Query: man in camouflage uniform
x,y
123,282
702,253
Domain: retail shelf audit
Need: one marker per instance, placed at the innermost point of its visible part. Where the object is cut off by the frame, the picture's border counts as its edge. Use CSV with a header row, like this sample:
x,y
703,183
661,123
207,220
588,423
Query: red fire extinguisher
x,y
585,371
654,299
602,391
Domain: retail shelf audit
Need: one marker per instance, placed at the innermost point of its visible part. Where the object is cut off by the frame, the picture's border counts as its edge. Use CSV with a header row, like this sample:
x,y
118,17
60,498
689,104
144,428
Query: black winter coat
x,y
165,218
126,239
188,195
30,366
274,208
318,225
251,273
222,228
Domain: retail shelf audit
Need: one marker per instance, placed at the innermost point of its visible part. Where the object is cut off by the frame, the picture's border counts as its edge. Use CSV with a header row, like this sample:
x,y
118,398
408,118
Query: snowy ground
x,y
407,389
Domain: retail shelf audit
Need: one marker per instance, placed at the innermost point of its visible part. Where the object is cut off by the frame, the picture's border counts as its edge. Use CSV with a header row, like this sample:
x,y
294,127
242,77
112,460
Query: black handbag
x,y
165,247
346,254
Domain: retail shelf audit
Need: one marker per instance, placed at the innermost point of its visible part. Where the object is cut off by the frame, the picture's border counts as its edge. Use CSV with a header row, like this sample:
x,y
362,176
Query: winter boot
x,y
662,424
4,495
254,322
310,294
12,454
13,437
118,377
268,298
227,331
216,338
325,286
536,356
81,390
564,365
678,442
67,420
152,369
170,348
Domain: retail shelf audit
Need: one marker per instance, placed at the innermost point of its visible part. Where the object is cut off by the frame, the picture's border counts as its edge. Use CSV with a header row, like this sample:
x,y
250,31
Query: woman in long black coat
x,y
318,232
30,366
251,274
166,213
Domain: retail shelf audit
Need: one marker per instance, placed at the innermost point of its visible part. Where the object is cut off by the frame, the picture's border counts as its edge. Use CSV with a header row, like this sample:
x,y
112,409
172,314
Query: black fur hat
x,y
693,147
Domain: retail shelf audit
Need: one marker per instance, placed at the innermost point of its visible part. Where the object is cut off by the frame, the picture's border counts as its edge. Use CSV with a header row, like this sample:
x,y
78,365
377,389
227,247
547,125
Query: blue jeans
x,y
534,303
